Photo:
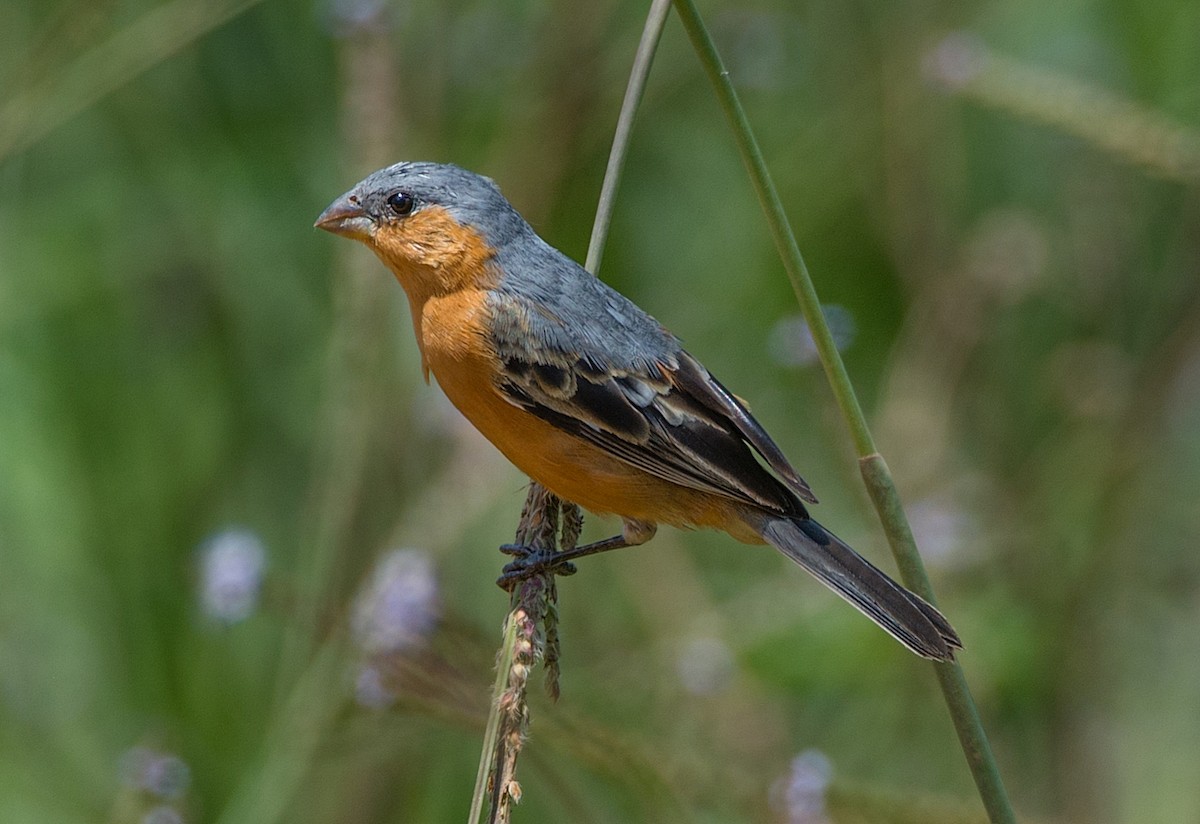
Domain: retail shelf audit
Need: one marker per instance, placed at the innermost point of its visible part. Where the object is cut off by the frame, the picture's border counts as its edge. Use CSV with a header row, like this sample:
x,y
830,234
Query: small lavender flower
x,y
231,573
942,530
791,341
705,665
370,689
956,60
398,607
344,18
803,790
162,814
161,774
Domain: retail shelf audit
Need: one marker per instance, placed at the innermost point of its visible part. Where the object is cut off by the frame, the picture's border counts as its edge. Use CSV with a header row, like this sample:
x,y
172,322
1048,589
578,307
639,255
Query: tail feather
x,y
905,616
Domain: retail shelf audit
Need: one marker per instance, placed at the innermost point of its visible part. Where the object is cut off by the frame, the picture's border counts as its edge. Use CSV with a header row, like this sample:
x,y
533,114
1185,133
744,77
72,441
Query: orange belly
x,y
452,343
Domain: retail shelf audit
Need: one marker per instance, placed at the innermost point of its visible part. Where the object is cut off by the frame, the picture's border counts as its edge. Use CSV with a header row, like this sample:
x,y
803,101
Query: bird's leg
x,y
533,561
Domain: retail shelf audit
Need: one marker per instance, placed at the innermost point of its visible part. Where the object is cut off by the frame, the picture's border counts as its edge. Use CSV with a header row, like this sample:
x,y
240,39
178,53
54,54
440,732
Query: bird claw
x,y
517,550
530,561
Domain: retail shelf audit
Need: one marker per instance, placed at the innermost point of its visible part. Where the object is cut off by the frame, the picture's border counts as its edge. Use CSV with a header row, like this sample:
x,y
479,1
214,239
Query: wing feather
x,y
666,415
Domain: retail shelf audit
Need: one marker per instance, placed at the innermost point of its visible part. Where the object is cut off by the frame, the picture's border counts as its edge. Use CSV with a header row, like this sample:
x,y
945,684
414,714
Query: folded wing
x,y
664,415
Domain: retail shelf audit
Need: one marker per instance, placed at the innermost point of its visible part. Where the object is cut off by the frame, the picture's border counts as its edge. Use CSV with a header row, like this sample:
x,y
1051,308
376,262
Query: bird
x,y
589,395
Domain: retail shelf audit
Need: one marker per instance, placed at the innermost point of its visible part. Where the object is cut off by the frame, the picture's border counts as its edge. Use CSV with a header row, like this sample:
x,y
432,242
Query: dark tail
x,y
905,616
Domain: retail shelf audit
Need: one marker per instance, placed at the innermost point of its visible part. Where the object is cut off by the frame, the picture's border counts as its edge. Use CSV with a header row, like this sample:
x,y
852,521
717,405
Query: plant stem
x,y
957,694
491,755
491,729
875,472
642,60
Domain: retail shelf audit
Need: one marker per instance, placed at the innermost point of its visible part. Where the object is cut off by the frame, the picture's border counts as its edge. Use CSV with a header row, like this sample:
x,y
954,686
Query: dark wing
x,y
663,414
692,379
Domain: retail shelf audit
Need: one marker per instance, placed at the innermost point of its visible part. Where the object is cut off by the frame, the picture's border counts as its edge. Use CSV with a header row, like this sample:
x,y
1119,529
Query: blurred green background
x,y
247,556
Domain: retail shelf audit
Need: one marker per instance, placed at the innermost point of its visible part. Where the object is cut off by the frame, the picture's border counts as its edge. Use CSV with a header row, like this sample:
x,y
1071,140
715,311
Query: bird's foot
x,y
529,561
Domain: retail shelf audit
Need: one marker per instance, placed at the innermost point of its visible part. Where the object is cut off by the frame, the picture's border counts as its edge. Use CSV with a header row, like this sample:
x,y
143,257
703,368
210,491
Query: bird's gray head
x,y
414,209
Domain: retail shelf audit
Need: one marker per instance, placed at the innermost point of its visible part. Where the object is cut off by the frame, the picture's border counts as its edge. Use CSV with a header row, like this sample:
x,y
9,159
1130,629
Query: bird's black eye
x,y
401,203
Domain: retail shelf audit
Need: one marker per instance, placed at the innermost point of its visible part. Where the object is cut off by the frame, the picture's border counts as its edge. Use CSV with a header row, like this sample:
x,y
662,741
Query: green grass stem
x,y
875,472
642,61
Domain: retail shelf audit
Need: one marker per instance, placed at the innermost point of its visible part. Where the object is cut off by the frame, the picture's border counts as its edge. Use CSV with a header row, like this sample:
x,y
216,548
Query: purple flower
x,y
231,574
160,774
802,791
791,342
398,607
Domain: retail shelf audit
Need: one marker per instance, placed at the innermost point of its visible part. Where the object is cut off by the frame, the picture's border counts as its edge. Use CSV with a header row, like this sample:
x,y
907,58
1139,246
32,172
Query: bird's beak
x,y
346,217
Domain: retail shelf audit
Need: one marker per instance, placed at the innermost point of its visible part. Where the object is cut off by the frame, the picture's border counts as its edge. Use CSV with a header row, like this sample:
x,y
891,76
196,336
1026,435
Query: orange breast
x,y
456,350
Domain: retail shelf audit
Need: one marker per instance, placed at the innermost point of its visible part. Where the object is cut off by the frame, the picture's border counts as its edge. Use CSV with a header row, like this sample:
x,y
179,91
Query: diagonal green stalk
x,y
30,114
655,22
642,61
874,469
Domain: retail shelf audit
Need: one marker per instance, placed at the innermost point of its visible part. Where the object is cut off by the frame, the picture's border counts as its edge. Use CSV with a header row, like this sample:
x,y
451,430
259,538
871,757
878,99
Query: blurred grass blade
x,y
33,113
290,746
875,472
368,128
967,68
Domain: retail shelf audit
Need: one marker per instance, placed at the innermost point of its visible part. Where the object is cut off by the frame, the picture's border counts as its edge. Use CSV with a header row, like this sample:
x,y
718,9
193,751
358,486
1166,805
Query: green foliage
x,y
1007,216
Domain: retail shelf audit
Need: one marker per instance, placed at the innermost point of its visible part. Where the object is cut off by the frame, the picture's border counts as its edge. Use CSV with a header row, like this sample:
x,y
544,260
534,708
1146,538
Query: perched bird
x,y
589,395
